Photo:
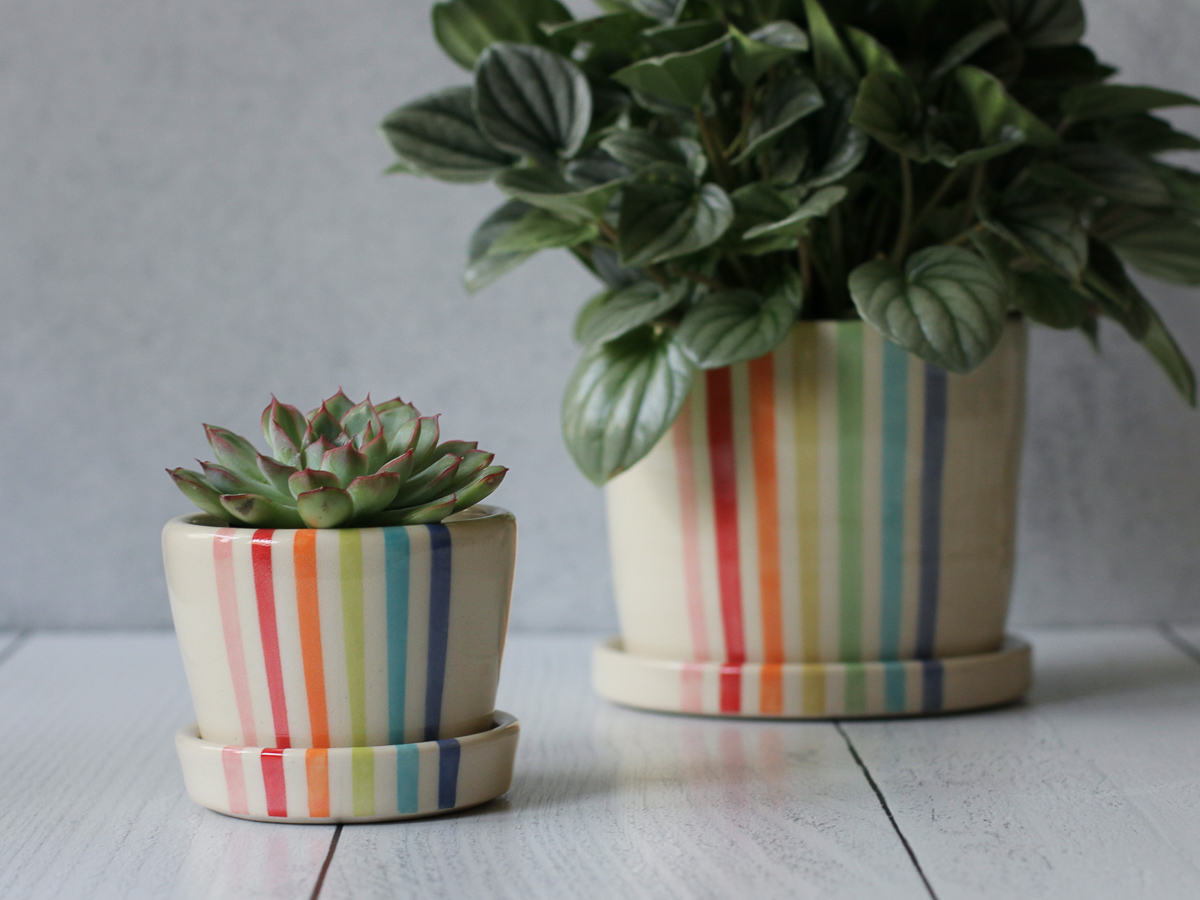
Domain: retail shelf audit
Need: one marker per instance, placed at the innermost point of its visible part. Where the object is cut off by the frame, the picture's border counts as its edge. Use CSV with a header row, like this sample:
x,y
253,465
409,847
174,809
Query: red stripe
x,y
276,787
731,689
724,475
264,590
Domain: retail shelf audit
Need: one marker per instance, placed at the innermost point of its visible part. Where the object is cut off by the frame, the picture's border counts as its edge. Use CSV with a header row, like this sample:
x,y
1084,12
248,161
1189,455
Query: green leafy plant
x,y
726,167
345,464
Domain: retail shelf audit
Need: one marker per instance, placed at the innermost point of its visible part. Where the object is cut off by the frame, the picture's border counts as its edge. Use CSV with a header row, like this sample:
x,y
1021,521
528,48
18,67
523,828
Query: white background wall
x,y
191,217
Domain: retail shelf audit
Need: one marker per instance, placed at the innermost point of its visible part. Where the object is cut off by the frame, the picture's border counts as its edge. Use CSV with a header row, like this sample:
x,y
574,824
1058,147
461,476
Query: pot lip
x,y
202,523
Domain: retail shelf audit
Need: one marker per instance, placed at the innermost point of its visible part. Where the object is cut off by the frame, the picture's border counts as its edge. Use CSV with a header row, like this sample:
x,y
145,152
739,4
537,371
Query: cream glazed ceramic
x,y
821,533
361,638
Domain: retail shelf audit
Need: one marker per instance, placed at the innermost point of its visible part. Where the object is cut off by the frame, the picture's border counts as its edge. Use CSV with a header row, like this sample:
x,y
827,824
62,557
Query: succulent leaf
x,y
314,452
402,465
234,453
430,512
324,424
429,484
276,473
224,481
338,405
326,507
283,425
373,493
360,419
309,480
376,451
254,509
400,428
455,448
489,479
473,462
198,490
346,462
425,446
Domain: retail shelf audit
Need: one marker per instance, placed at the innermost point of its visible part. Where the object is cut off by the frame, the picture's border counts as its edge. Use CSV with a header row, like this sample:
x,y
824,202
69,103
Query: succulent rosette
x,y
343,465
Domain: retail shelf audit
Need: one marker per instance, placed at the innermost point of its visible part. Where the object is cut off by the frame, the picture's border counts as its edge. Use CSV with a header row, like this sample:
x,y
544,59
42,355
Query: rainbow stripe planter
x,y
834,504
342,638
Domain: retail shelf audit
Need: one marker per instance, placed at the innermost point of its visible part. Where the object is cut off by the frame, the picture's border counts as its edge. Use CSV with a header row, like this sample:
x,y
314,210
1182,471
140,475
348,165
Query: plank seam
x,y
1179,642
887,810
8,652
316,891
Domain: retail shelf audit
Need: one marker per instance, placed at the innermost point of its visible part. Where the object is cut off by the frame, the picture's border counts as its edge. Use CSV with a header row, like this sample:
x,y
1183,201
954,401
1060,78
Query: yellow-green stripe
x,y
362,765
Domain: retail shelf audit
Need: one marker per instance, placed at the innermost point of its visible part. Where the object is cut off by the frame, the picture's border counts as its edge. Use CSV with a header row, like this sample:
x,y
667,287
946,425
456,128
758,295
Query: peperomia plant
x,y
726,167
343,465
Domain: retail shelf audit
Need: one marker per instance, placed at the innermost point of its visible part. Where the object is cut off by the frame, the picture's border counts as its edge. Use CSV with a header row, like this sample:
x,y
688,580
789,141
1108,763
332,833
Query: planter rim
x,y
202,522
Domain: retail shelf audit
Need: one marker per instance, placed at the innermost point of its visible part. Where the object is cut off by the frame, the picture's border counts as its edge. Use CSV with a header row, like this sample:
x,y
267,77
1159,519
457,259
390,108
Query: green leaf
x,y
840,146
889,109
464,28
737,326
622,398
638,149
682,38
677,77
1161,245
1106,101
616,31
482,266
1049,229
531,101
1145,135
830,55
875,57
1043,23
620,312
1048,300
251,509
437,136
814,207
1093,170
947,305
663,10
968,45
789,101
754,54
754,205
1002,120
197,489
664,215
1161,345
549,190
540,229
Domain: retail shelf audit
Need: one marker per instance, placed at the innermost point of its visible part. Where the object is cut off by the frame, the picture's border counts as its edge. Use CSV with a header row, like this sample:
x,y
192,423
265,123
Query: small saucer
x,y
350,784
813,690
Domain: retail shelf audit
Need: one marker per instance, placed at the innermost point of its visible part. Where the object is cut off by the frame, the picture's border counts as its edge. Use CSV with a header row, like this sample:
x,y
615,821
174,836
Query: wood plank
x,y
92,794
609,802
1088,790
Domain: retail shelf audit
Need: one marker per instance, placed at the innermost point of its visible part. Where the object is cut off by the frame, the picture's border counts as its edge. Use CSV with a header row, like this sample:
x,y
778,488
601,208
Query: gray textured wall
x,y
192,218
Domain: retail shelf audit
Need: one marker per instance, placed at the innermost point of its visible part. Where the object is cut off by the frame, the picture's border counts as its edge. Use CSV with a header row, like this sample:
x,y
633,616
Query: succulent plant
x,y
344,464
726,167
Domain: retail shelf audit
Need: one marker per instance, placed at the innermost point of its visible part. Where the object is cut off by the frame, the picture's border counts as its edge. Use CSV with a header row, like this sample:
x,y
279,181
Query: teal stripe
x,y
396,561
895,448
895,686
408,777
850,489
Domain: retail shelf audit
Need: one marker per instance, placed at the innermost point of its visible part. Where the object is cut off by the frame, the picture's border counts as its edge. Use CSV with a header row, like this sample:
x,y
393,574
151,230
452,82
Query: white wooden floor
x,y
1089,790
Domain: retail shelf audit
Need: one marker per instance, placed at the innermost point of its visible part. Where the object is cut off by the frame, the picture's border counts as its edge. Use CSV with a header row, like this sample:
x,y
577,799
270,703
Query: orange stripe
x,y
766,490
316,767
305,552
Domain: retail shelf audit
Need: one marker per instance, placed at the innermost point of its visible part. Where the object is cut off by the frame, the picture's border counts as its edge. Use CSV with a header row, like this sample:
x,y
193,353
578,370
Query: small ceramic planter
x,y
826,531
362,639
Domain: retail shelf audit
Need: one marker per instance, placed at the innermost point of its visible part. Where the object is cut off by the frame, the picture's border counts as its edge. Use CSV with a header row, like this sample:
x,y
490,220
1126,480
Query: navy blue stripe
x,y
448,753
439,626
933,465
932,685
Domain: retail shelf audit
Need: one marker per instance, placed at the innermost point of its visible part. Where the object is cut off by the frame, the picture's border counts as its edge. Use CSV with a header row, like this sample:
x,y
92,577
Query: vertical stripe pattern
x,y
811,494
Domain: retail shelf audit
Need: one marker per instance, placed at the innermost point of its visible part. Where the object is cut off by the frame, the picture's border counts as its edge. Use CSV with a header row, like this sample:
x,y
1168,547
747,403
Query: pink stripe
x,y
235,780
264,589
274,783
232,626
689,519
693,688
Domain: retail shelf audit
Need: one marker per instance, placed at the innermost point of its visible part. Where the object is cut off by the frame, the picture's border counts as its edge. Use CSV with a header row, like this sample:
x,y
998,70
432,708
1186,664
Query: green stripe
x,y
895,450
856,689
350,547
850,495
362,764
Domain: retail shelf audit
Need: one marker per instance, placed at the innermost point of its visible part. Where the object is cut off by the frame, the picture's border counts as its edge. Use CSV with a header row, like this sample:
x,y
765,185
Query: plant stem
x,y
610,233
977,183
938,196
716,155
900,252
805,253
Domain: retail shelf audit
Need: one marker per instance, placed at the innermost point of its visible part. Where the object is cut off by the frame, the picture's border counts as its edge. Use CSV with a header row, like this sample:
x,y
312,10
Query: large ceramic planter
x,y
827,531
373,650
